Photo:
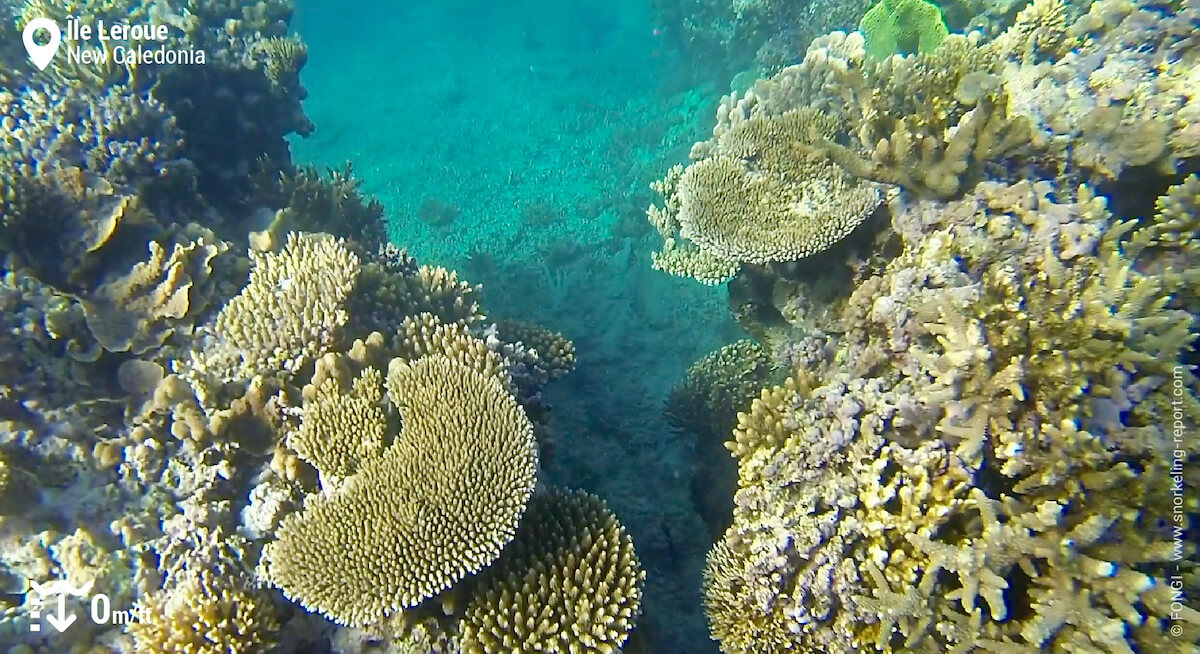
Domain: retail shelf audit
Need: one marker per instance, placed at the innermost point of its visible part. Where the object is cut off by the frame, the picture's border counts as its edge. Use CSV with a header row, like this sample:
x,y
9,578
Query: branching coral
x,y
801,159
717,387
202,614
1103,105
308,201
437,505
569,582
289,313
548,350
981,463
425,334
392,289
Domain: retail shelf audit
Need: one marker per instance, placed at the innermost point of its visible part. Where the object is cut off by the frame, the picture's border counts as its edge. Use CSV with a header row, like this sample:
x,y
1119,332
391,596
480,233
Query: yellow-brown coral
x,y
769,194
437,505
341,430
289,313
200,614
978,465
569,583
425,334
137,311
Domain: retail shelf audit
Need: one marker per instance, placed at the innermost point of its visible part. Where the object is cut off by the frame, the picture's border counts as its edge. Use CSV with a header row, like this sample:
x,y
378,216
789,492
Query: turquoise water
x,y
571,109
674,326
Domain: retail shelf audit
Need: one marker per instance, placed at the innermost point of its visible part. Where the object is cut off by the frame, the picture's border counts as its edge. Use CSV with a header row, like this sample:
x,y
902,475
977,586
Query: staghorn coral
x,y
980,464
289,313
437,505
569,582
202,614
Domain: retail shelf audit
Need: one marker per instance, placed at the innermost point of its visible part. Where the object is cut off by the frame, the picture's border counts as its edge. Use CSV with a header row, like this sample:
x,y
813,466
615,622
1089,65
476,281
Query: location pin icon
x,y
41,55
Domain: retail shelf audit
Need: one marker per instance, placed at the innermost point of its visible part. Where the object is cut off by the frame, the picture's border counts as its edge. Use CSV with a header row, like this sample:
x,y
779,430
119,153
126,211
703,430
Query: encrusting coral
x,y
438,504
569,582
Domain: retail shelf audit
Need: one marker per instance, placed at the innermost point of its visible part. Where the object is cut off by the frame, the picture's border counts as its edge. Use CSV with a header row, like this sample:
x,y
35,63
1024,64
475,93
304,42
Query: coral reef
x,y
802,159
985,441
450,491
813,139
705,406
570,582
201,614
729,36
972,449
207,353
289,313
306,201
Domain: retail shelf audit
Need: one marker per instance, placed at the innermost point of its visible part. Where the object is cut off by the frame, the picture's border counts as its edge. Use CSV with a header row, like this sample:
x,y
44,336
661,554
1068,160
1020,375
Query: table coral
x,y
800,160
437,505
